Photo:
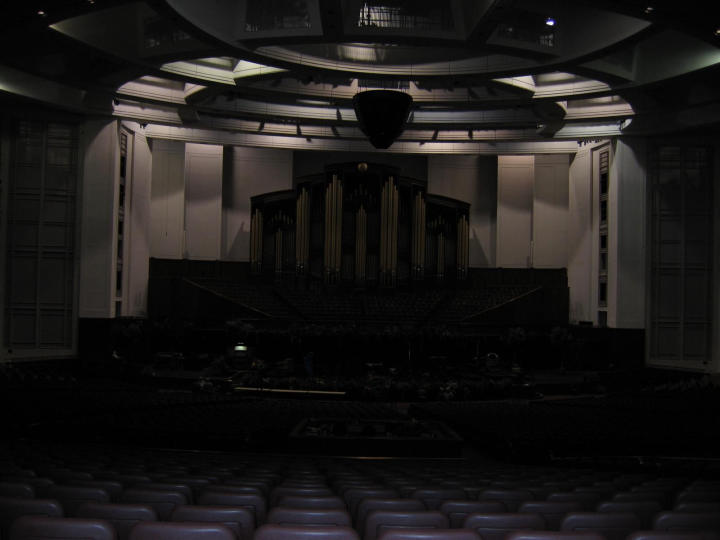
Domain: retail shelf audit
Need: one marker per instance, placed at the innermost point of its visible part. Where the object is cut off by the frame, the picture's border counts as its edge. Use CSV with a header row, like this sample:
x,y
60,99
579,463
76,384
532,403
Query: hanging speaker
x,y
382,115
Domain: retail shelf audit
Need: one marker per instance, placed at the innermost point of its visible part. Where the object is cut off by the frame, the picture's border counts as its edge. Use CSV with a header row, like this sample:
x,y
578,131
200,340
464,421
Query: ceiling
x,y
486,76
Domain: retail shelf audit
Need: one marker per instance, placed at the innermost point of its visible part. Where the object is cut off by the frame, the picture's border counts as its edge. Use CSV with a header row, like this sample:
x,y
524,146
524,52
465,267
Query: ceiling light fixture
x,y
717,32
41,13
649,10
550,21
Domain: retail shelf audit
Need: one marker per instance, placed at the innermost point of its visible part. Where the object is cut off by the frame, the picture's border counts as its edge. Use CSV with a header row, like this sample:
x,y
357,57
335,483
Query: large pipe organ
x,y
361,224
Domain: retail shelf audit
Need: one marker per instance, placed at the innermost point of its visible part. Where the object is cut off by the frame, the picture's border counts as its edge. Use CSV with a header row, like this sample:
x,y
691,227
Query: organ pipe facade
x,y
360,224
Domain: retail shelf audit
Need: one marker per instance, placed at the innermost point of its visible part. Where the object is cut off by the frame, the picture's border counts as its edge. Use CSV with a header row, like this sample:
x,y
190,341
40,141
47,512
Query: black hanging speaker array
x,y
382,115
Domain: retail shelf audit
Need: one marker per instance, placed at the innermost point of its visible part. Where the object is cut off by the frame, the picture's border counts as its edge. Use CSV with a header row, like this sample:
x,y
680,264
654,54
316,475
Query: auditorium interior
x,y
344,269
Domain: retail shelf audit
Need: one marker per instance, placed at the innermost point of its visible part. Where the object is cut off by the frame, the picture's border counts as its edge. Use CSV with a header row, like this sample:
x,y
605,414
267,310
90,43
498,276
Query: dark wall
x,y
310,162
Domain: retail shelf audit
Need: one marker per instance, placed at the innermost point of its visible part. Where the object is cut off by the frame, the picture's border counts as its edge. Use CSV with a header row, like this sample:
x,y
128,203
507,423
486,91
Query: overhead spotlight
x,y
717,32
649,10
550,21
41,12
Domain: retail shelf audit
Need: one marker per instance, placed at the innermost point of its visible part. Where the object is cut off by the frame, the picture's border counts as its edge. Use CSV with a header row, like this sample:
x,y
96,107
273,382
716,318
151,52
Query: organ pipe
x,y
256,235
388,232
463,245
333,228
417,255
302,232
360,243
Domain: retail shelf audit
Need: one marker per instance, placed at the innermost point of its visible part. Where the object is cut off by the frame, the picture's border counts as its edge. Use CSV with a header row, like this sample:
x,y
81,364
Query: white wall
x,y
516,176
138,228
101,159
167,199
627,215
203,201
580,237
550,211
472,179
248,172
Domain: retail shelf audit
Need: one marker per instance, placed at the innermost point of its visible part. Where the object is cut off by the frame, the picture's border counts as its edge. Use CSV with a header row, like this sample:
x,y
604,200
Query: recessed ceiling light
x,y
717,32
41,13
649,9
550,21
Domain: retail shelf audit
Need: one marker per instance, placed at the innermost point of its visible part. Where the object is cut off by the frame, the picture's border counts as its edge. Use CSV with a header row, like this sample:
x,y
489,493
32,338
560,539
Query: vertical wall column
x,y
463,246
333,229
302,232
360,244
388,232
256,236
417,253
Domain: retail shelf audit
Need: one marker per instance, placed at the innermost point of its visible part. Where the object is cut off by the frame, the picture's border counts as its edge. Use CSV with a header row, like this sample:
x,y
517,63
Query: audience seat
x,y
159,530
240,520
327,502
458,510
12,508
308,516
432,498
58,528
71,497
113,488
353,496
163,502
252,502
167,486
552,511
374,503
511,498
429,534
644,510
670,535
554,535
289,532
497,526
379,520
686,521
614,526
697,507
589,501
122,516
20,490
282,491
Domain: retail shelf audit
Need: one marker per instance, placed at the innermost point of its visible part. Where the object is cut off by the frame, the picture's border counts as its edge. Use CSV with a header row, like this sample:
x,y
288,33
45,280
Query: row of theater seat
x,y
264,498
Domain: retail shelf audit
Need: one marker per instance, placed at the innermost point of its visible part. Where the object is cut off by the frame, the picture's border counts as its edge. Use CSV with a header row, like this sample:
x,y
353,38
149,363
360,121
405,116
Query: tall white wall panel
x,y
516,176
135,303
580,236
203,200
472,179
167,199
101,158
247,172
626,280
550,211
